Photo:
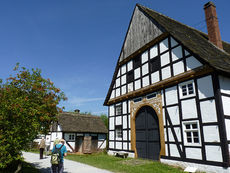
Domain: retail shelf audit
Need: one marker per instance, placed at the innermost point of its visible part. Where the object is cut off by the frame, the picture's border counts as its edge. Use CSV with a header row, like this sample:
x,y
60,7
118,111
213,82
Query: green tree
x,y
105,120
28,105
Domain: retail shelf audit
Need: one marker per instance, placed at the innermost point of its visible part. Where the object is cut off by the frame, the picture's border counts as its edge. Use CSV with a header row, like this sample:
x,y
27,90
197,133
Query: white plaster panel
x,y
111,144
213,153
118,120
123,69
118,82
111,110
177,53
164,120
144,57
130,87
119,72
129,122
208,111
211,134
193,153
226,105
165,134
72,144
59,128
178,68
112,94
125,146
173,150
55,135
124,107
171,138
101,144
124,134
192,63
227,126
128,106
145,81
166,72
123,90
205,87
153,52
166,150
129,132
123,79
130,65
165,59
130,146
171,95
164,45
155,77
174,114
137,84
145,69
162,96
137,73
189,109
224,84
111,123
111,135
178,133
118,92
125,122
173,42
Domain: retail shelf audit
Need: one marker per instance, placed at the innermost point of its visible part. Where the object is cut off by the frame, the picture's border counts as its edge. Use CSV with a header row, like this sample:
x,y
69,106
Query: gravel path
x,y
69,166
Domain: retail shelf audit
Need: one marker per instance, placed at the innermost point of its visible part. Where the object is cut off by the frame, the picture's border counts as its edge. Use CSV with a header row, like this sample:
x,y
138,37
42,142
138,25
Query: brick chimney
x,y
212,24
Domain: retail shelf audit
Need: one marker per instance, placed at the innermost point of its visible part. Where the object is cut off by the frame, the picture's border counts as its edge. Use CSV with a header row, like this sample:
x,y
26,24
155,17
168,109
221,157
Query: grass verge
x,y
116,164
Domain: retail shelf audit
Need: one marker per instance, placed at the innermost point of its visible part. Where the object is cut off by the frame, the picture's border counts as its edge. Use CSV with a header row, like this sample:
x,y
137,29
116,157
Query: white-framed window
x,y
118,109
71,137
191,133
187,89
118,130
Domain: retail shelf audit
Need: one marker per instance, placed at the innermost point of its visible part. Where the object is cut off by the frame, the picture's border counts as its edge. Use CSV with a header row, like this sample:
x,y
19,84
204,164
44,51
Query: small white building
x,y
169,99
75,128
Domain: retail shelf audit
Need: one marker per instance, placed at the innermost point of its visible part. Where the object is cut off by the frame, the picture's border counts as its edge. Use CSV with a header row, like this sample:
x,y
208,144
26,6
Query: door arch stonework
x,y
156,104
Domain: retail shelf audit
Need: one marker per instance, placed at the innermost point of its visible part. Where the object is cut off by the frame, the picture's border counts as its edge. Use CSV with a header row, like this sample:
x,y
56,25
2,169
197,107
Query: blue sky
x,y
77,43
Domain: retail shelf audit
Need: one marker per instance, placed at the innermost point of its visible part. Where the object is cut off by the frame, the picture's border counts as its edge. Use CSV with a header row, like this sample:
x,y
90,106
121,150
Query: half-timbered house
x,y
76,128
170,93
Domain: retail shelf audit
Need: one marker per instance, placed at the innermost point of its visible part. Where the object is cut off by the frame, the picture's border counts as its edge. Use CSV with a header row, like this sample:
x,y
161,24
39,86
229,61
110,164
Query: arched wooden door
x,y
147,134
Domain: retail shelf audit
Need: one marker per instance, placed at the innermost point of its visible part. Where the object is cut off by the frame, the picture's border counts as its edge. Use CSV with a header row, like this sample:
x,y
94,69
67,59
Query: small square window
x,y
187,89
137,62
130,76
191,133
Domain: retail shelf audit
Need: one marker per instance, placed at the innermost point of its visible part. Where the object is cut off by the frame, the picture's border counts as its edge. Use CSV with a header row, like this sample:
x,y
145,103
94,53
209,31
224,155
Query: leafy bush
x,y
28,105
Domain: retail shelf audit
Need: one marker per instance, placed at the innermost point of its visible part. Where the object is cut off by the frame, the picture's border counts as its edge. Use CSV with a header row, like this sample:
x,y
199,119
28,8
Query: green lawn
x,y
116,164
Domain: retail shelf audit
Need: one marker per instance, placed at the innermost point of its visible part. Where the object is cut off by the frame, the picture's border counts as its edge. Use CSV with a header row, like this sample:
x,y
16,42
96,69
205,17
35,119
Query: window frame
x,y
187,89
118,131
116,107
185,131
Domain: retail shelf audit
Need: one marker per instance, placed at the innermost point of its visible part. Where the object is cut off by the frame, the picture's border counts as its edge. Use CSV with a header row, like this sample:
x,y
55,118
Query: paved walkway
x,y
69,166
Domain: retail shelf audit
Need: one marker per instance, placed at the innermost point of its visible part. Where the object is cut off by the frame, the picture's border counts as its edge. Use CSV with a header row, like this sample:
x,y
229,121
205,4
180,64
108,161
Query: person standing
x,y
59,168
42,146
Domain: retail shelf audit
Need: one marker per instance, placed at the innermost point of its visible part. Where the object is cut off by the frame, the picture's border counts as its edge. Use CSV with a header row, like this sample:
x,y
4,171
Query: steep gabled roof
x,y
73,122
192,39
196,41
